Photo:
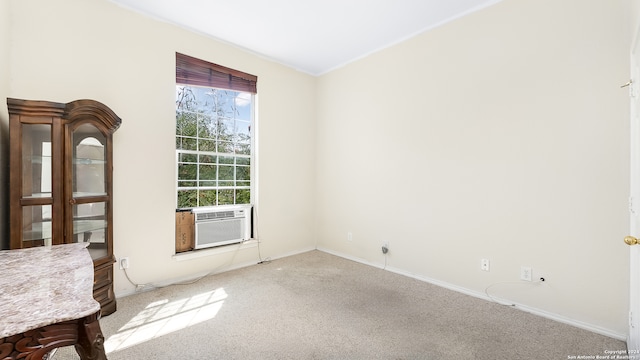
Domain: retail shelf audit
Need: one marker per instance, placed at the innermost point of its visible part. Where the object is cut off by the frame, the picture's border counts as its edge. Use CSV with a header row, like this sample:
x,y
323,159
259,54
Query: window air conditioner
x,y
222,225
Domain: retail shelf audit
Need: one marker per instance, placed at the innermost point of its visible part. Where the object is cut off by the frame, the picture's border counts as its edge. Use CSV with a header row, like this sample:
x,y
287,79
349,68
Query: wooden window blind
x,y
193,71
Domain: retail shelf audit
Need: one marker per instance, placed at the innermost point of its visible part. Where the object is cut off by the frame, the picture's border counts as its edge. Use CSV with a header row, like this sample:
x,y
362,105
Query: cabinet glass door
x,y
36,225
89,189
90,225
89,162
36,185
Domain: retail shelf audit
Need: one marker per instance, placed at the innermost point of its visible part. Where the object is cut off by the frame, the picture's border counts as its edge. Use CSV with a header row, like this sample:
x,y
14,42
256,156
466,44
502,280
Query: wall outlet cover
x,y
484,264
525,273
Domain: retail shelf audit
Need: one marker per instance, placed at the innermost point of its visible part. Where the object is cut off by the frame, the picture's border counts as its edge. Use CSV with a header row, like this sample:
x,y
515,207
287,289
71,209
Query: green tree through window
x,y
213,146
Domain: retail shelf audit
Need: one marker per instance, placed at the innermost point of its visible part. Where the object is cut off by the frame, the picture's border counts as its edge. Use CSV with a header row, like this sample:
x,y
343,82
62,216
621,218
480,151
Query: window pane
x,y
242,132
226,103
225,136
226,159
187,198
229,128
208,159
185,98
242,173
206,127
207,197
243,149
182,157
225,172
183,143
243,161
243,106
187,184
187,172
208,183
225,197
207,145
186,123
208,172
243,196
204,98
225,147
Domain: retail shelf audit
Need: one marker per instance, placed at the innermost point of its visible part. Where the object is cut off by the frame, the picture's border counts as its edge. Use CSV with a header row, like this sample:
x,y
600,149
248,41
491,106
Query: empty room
x,y
410,179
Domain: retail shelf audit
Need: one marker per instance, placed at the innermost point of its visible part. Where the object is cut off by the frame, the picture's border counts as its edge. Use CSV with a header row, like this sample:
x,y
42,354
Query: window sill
x,y
194,254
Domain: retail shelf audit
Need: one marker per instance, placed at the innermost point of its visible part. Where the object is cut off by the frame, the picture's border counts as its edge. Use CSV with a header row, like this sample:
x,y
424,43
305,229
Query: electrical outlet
x,y
124,263
385,247
525,273
484,264
349,236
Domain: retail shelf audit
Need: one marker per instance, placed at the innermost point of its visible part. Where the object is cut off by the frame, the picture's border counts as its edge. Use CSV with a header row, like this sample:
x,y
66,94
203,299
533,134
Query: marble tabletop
x,y
45,285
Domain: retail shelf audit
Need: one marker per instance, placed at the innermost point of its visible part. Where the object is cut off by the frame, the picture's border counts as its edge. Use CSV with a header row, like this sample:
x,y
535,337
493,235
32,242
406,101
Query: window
x,y
214,117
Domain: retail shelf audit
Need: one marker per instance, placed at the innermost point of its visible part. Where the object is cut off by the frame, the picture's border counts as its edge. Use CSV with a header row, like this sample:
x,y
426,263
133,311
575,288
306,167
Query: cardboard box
x,y
185,232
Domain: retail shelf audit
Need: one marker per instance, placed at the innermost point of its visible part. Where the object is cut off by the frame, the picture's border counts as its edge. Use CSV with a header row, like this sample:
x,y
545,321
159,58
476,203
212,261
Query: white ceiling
x,y
312,36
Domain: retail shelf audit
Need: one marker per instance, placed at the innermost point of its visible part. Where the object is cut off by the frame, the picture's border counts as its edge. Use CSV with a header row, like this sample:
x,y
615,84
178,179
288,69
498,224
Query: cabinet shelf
x,y
42,230
42,195
80,195
88,162
38,159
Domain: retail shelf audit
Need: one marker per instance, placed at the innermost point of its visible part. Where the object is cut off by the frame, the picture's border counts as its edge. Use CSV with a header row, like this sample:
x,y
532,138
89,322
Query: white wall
x,y
501,135
634,13
4,122
72,49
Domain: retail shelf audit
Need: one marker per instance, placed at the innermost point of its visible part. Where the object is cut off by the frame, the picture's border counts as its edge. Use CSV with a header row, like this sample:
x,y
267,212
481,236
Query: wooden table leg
x,y
90,344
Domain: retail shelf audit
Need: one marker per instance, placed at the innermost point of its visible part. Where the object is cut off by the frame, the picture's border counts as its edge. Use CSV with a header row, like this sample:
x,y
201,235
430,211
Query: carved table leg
x,y
90,344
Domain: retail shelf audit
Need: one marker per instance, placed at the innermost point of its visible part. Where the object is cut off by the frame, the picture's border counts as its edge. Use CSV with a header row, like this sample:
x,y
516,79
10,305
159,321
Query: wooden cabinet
x,y
61,181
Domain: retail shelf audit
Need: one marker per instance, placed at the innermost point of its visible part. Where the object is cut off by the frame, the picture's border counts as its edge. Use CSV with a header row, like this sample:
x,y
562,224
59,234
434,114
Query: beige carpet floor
x,y
319,306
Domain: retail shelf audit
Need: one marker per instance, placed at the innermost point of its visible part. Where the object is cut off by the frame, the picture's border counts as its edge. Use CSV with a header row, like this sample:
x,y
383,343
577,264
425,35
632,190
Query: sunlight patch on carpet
x,y
164,317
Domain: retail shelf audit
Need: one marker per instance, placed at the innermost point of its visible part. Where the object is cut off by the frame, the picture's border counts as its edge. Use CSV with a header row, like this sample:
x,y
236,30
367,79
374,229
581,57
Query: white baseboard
x,y
552,316
291,253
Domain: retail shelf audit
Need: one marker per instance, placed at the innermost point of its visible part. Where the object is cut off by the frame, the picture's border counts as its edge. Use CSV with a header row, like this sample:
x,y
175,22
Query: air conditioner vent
x,y
215,215
221,225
